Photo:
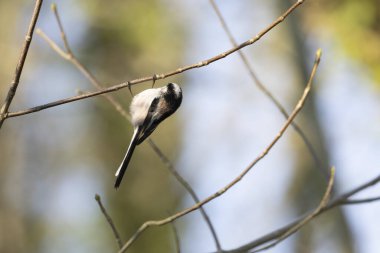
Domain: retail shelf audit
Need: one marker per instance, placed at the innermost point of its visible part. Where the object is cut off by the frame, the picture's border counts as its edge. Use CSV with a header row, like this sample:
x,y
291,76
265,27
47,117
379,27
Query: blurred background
x,y
53,162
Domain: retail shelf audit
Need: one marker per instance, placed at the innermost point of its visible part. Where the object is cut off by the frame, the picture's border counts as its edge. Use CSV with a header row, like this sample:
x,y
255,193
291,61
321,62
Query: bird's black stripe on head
x,y
172,99
170,86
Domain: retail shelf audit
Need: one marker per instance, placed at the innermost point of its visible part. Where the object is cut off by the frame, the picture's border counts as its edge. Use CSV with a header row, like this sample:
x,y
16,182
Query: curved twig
x,y
266,91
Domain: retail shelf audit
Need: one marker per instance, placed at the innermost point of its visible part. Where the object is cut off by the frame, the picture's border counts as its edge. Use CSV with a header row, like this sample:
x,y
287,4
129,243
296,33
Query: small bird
x,y
147,110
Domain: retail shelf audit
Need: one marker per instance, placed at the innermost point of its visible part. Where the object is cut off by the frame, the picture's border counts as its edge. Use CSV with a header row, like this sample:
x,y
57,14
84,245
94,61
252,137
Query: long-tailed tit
x,y
148,109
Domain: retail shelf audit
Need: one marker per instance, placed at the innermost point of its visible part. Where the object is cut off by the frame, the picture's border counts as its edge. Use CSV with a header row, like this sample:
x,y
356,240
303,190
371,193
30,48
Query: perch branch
x,y
163,75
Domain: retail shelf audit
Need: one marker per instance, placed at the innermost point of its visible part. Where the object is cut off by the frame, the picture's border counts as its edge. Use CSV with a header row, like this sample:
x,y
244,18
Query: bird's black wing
x,y
124,164
150,123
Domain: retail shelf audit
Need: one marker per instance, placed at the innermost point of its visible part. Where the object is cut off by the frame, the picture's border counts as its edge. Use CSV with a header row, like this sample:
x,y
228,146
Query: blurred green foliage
x,y
132,38
355,25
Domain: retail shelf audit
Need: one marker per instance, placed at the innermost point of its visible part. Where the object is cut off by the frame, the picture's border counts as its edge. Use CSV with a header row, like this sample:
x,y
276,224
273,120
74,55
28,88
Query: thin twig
x,y
343,198
296,110
265,90
53,45
20,65
69,56
308,218
339,201
190,190
109,220
163,75
63,34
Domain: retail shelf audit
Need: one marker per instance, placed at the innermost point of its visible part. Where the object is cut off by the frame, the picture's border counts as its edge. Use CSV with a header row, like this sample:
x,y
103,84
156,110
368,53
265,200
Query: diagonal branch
x,y
109,220
20,65
339,201
296,110
190,190
155,77
265,90
69,56
308,218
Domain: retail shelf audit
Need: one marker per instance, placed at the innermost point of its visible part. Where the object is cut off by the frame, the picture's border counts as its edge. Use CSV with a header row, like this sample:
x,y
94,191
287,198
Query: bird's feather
x,y
124,164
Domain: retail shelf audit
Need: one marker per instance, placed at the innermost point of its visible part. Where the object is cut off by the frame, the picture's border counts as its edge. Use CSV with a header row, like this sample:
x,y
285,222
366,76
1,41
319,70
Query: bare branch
x,y
69,56
343,198
189,189
265,90
339,201
296,110
63,34
163,75
53,45
303,222
20,65
109,220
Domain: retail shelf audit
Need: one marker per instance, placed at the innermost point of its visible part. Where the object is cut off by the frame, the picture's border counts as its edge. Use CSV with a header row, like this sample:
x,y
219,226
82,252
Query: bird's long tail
x,y
124,164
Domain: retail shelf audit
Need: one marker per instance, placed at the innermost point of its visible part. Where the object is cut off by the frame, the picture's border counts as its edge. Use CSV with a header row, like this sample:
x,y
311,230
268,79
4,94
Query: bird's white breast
x,y
140,105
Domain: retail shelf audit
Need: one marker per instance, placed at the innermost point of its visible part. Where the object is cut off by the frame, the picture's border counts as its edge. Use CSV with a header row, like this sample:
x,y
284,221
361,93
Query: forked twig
x,y
20,65
308,218
338,201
